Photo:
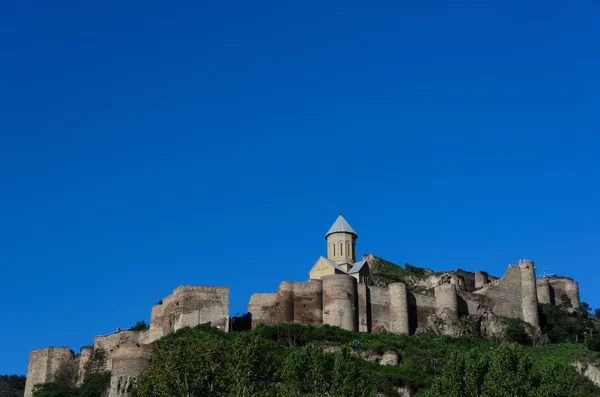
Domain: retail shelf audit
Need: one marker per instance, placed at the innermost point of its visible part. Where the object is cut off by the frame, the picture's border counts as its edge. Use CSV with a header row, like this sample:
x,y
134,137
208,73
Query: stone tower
x,y
341,243
529,293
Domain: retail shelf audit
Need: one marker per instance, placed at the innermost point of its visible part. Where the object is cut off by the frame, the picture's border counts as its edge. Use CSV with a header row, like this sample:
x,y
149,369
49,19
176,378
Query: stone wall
x,y
263,307
180,309
85,363
128,362
420,307
380,309
104,345
45,363
560,286
504,294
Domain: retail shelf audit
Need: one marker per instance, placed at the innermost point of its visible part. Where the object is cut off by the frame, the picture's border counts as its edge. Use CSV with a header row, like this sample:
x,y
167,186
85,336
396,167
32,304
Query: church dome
x,y
341,226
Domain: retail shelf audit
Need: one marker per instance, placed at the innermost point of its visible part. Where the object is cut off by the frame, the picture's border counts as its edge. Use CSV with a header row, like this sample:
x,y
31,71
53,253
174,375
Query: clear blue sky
x,y
144,145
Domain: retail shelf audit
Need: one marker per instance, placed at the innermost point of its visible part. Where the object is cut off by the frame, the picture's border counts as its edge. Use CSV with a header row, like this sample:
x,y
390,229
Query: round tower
x,y
341,242
340,301
446,300
529,293
398,308
543,291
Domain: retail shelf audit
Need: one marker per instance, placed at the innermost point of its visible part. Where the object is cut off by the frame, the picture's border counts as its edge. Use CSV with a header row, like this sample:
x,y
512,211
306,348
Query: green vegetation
x,y
303,360
506,371
140,326
94,385
564,325
387,272
12,385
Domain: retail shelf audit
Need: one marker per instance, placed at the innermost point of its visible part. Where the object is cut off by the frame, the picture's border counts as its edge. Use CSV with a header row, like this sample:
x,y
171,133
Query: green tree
x,y
140,326
306,372
505,371
251,368
349,378
184,368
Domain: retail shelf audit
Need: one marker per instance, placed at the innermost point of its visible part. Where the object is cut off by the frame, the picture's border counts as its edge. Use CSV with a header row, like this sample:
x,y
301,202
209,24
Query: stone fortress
x,y
341,291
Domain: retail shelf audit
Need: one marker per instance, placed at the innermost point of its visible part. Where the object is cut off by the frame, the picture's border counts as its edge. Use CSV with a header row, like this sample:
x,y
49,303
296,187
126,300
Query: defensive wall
x,y
125,352
337,300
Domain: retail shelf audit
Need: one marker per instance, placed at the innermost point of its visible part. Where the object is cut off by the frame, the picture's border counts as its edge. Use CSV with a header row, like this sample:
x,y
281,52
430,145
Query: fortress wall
x,y
560,286
340,293
481,279
85,363
156,330
470,303
285,296
308,302
44,364
128,362
363,313
505,294
380,308
420,307
543,291
103,346
446,300
179,308
468,279
262,306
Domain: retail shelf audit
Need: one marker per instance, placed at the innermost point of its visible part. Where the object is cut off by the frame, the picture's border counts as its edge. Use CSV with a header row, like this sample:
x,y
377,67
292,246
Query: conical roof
x,y
340,226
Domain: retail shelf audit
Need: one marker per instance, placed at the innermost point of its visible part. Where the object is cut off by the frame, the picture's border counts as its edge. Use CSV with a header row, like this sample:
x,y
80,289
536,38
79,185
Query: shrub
x,y
140,326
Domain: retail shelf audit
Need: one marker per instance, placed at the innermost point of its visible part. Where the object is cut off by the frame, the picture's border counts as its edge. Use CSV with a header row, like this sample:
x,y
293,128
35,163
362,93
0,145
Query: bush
x,y
140,326
515,332
95,385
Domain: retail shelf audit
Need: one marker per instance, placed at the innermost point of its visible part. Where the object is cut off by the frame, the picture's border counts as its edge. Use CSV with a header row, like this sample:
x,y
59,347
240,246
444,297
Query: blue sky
x,y
147,145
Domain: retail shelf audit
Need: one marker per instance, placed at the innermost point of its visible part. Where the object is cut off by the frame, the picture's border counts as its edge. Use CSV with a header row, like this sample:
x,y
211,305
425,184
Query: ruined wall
x,y
44,365
263,307
420,307
85,363
468,279
156,331
543,291
504,294
481,279
560,286
104,345
180,309
340,293
128,362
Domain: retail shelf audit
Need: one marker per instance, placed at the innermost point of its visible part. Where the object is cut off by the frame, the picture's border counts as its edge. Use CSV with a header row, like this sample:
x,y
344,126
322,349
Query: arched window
x,y
341,249
348,252
333,249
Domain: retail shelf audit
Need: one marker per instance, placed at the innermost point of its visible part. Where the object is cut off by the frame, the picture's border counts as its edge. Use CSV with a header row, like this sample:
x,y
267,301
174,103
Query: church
x,y
341,255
